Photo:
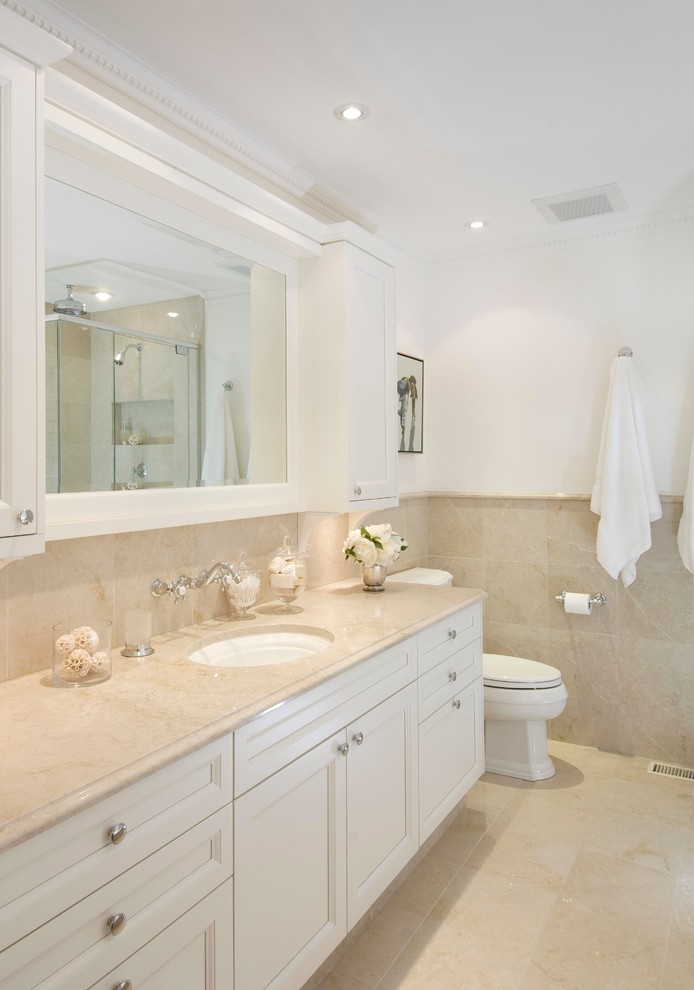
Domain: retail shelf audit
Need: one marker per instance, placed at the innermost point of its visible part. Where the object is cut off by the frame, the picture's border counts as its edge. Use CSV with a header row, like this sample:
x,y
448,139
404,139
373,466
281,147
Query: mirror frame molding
x,y
100,147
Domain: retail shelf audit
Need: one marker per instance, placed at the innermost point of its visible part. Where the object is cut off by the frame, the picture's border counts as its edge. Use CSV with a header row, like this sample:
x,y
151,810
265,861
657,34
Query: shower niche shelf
x,y
152,420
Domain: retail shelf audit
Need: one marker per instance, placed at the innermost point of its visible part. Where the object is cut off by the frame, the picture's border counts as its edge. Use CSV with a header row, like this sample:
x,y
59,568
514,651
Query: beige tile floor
x,y
581,882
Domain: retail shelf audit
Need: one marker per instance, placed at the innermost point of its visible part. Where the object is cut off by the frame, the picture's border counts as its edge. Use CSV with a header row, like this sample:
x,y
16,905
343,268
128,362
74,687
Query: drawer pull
x,y
116,923
343,748
452,633
123,985
117,832
453,676
358,738
456,704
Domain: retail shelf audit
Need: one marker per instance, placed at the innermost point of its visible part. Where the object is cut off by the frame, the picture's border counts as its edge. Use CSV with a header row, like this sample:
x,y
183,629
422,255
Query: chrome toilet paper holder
x,y
597,599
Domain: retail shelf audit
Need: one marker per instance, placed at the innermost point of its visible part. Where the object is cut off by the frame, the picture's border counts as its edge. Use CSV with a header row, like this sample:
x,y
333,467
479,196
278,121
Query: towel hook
x,y
625,352
227,386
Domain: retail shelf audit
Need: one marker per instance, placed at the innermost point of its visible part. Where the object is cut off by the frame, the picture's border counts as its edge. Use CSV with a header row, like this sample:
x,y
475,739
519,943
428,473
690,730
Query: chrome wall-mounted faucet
x,y
178,588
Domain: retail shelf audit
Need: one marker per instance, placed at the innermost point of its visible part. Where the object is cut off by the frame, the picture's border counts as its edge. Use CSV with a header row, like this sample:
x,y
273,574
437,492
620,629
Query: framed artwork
x,y
410,396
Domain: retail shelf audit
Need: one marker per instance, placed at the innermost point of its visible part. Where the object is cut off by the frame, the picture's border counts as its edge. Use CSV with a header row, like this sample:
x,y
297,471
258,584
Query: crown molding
x,y
112,65
541,244
96,56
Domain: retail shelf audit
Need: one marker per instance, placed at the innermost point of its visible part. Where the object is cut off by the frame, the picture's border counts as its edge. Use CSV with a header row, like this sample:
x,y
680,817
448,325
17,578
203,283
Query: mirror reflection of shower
x,y
120,356
117,421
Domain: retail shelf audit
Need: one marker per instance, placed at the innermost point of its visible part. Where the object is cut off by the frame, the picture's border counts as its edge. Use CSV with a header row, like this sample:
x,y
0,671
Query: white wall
x,y
412,319
518,356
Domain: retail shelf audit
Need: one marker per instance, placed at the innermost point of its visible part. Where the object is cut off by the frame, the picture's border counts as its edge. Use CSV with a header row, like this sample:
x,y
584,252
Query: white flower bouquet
x,y
376,544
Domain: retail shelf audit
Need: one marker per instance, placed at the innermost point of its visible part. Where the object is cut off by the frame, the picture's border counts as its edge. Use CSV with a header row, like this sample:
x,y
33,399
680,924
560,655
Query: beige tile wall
x,y
629,666
102,576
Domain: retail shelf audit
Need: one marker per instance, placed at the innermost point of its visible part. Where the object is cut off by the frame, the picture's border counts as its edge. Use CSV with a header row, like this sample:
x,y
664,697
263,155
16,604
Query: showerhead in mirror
x,y
70,306
120,356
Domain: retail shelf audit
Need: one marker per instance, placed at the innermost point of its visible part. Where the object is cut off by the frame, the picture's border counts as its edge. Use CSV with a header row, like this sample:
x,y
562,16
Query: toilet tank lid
x,y
517,671
424,575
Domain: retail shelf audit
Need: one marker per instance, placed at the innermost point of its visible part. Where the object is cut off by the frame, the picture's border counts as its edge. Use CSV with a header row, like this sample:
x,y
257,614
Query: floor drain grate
x,y
670,770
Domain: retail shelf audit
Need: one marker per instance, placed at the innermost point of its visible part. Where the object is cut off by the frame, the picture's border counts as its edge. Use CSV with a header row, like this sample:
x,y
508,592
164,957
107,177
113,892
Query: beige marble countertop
x,y
63,749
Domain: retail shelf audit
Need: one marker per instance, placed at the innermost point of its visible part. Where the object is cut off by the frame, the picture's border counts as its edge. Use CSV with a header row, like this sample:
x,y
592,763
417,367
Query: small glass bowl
x,y
81,653
287,572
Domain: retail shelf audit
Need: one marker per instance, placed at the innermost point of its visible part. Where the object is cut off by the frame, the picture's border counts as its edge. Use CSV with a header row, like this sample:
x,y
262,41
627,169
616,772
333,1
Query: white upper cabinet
x,y
24,52
348,380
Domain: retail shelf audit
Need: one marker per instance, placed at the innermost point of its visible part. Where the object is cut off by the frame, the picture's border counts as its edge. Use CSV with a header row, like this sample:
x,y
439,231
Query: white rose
x,y
365,551
381,531
351,538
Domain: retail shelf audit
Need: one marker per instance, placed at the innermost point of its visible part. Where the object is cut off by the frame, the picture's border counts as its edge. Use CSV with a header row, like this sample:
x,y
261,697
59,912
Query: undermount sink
x,y
260,647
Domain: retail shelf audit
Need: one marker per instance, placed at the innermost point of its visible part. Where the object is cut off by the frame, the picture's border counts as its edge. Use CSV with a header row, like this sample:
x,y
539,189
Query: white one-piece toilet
x,y
520,696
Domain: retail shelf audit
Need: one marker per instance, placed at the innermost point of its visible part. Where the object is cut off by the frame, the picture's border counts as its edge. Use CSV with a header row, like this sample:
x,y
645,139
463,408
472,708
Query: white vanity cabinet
x,y
347,346
451,714
24,51
95,899
320,839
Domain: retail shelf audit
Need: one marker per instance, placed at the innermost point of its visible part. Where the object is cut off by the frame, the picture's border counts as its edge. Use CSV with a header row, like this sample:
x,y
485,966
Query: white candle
x,y
138,627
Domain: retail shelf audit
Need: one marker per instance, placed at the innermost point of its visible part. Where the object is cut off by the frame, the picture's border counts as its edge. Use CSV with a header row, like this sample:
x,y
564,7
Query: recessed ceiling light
x,y
476,224
172,315
351,112
103,296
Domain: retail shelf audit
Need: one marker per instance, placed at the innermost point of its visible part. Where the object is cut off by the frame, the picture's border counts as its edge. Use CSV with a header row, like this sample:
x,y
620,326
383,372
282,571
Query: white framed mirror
x,y
165,356
190,252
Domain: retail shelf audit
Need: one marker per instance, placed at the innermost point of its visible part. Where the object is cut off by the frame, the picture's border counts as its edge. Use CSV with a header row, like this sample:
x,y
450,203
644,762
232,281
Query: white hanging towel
x,y
685,533
624,494
220,463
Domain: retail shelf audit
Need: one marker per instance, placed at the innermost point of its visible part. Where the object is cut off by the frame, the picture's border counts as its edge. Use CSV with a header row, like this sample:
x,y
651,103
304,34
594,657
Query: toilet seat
x,y
518,674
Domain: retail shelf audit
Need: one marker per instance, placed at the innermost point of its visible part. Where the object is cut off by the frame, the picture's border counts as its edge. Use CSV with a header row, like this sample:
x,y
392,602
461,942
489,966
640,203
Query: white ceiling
x,y
477,106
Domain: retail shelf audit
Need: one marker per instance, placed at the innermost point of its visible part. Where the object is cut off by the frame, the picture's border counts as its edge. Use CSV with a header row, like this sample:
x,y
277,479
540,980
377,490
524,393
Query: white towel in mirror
x,y
220,464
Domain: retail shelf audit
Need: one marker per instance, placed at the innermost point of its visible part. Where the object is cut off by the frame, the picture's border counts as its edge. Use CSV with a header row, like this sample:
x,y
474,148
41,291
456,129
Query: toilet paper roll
x,y
577,604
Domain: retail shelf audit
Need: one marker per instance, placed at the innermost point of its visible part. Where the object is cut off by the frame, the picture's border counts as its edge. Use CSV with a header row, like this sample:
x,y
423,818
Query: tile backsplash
x,y
628,667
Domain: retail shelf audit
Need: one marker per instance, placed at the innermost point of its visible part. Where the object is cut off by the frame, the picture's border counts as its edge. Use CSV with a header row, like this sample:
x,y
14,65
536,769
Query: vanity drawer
x,y
193,952
48,873
445,637
272,740
79,944
444,681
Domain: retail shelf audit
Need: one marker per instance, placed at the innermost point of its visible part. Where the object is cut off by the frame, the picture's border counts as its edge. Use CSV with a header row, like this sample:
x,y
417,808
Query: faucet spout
x,y
217,573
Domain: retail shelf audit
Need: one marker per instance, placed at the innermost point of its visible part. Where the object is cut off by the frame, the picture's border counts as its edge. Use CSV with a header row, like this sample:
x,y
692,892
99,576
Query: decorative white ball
x,y
66,643
77,664
86,638
99,661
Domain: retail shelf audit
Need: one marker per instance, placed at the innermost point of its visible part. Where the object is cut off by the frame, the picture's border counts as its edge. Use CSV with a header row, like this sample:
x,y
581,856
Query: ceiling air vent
x,y
599,201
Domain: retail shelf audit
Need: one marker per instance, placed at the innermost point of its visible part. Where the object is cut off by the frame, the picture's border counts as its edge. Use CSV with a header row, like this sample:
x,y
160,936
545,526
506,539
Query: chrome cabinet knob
x,y
343,748
358,738
123,985
453,676
116,923
452,633
357,489
117,832
25,517
456,704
